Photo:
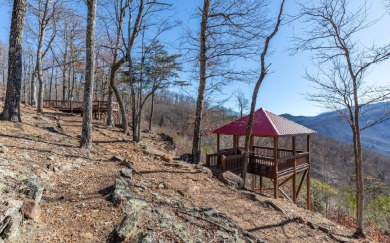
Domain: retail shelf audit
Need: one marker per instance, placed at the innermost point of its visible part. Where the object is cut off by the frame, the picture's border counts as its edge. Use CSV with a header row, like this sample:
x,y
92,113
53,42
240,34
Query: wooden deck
x,y
99,108
261,161
264,162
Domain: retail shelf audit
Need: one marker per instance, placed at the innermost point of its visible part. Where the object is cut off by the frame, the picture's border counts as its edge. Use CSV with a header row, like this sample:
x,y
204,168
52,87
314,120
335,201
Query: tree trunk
x,y
24,80
151,113
33,92
51,83
11,110
196,142
69,79
64,70
137,119
113,71
42,31
133,104
86,134
64,83
358,163
110,121
72,71
116,64
359,183
56,84
256,91
40,78
3,76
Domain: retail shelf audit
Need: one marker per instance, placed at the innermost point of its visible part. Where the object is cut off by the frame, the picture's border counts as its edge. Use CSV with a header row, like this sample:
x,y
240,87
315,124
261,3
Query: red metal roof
x,y
265,124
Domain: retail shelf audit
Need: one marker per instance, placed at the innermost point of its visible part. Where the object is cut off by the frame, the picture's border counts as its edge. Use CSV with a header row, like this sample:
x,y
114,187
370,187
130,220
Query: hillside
x,y
165,200
329,124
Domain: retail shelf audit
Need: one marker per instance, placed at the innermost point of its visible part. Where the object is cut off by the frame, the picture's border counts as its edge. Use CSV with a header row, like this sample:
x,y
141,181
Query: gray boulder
x,y
116,158
130,228
231,179
9,228
3,149
121,193
31,210
127,173
33,188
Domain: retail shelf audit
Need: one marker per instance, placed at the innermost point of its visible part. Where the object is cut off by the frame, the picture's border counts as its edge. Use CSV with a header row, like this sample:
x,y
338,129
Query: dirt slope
x,y
75,208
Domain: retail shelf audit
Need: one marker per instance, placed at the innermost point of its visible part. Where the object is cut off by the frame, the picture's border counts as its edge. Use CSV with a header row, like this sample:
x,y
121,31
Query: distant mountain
x,y
329,124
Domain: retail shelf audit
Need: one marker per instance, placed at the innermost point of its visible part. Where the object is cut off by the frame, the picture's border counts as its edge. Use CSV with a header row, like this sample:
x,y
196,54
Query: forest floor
x,y
75,207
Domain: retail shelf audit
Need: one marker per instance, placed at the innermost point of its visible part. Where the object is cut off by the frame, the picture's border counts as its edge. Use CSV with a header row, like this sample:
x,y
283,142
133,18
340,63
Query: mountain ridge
x,y
376,138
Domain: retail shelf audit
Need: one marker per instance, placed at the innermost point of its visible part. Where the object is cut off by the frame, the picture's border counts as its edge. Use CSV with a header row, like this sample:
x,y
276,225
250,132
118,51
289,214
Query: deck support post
x,y
261,184
218,142
234,144
117,117
301,182
295,172
254,177
276,183
223,163
308,174
98,110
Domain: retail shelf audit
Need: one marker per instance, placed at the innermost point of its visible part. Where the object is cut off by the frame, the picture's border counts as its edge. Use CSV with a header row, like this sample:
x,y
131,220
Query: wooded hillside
x,y
113,102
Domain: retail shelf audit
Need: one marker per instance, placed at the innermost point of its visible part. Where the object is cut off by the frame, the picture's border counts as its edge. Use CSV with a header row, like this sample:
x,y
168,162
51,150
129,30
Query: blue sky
x,y
285,89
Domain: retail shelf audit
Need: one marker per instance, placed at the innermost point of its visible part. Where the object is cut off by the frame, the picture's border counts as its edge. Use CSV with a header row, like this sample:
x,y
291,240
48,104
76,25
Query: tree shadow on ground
x,y
37,141
281,224
110,141
51,152
168,171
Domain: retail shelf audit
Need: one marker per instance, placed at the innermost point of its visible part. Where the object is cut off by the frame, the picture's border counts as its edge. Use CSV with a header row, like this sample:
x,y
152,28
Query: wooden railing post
x,y
98,110
223,163
308,173
218,142
253,182
295,172
276,181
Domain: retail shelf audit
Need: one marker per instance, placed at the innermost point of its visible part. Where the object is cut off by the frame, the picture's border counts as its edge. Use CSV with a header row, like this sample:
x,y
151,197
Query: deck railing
x,y
77,105
216,158
269,152
261,161
261,165
233,163
293,162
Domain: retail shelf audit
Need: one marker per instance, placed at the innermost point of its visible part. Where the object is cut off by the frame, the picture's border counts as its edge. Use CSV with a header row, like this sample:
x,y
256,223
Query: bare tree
x,y
3,61
68,48
155,23
28,69
242,102
196,142
86,134
343,63
264,71
115,36
46,14
11,110
229,30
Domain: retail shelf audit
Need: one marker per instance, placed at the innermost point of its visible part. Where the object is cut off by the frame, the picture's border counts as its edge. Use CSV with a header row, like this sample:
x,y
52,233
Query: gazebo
x,y
279,164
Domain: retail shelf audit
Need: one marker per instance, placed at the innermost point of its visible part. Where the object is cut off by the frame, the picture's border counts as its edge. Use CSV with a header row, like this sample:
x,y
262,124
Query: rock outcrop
x,y
231,179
